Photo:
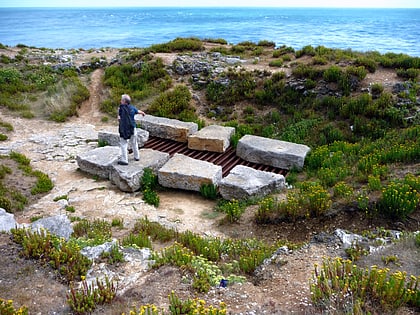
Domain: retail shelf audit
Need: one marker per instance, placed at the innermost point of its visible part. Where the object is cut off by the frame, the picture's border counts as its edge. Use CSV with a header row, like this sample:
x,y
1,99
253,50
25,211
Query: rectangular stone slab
x,y
168,128
183,172
277,153
212,138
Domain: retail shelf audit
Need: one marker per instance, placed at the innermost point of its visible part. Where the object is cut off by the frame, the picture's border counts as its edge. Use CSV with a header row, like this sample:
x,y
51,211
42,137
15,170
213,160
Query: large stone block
x,y
183,172
113,137
244,182
128,177
277,153
212,138
99,161
168,128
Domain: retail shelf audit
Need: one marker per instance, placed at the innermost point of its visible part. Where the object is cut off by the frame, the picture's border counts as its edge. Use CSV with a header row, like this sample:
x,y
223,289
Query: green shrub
x,y
306,50
87,298
148,184
410,73
178,45
276,63
233,209
376,88
59,254
92,233
340,285
303,71
208,191
139,240
43,183
343,190
367,63
266,208
7,308
173,103
332,74
398,200
358,72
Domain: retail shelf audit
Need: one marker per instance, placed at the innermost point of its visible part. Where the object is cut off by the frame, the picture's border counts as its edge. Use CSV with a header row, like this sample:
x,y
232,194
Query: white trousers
x,y
134,146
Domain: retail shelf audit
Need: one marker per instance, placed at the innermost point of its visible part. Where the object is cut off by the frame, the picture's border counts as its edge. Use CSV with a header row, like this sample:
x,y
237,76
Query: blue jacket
x,y
127,122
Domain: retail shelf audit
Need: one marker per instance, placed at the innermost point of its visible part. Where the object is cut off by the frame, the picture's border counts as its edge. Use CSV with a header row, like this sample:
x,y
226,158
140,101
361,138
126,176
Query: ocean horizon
x,y
362,30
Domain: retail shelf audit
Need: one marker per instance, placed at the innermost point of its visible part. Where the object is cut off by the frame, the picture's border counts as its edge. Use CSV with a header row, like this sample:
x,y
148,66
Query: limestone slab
x,y
113,137
166,128
128,177
277,153
212,138
244,182
98,162
183,172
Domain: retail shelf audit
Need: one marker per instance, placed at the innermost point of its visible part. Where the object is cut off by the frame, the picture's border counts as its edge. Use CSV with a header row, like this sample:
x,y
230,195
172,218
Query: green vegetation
x,y
7,308
149,184
55,93
18,165
360,135
341,286
89,296
63,256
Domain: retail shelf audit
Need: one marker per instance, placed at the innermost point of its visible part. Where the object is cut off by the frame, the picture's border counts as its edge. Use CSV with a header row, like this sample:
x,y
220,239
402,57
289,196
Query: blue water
x,y
382,30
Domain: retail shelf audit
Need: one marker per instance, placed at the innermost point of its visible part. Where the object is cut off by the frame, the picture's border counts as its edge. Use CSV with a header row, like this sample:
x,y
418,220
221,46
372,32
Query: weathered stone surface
x,y
128,177
7,221
98,161
277,153
113,137
94,252
186,173
244,182
59,225
168,128
212,138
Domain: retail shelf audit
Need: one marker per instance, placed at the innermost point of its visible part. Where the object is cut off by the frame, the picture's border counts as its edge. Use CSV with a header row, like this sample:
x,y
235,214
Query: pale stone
x,y
113,137
186,173
59,225
212,138
98,162
277,153
168,128
128,177
7,221
244,182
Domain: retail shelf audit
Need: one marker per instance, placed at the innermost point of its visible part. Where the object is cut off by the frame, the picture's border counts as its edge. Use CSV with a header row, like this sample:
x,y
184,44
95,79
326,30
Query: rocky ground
x,y
282,288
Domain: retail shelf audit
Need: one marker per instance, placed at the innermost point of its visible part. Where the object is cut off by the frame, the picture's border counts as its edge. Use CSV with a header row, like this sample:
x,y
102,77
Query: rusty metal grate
x,y
226,160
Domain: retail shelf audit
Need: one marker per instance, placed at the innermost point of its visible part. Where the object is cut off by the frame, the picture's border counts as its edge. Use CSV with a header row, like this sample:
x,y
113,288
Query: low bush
x,y
341,286
87,298
7,308
54,251
398,200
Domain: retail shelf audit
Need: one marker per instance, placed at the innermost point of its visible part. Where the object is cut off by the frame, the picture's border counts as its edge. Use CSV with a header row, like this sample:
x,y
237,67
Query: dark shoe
x,y
137,159
122,163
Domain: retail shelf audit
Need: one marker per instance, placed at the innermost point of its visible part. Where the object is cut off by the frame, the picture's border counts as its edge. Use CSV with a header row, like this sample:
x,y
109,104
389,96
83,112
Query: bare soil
x,y
284,288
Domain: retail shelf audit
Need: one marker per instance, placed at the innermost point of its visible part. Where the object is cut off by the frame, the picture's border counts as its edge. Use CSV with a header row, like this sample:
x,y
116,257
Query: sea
x,y
361,30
